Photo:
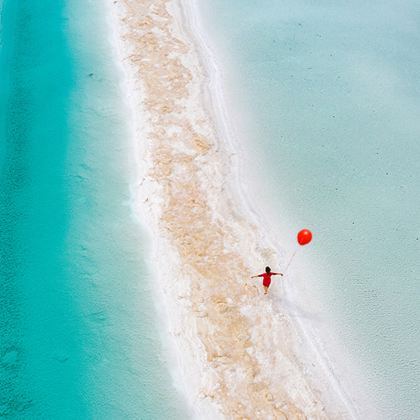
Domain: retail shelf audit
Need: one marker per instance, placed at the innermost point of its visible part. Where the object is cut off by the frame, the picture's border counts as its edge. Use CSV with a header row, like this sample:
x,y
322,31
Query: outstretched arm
x,y
277,274
258,275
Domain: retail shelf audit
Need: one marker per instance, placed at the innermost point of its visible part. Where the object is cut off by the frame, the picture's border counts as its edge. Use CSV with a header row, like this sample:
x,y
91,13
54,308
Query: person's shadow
x,y
282,303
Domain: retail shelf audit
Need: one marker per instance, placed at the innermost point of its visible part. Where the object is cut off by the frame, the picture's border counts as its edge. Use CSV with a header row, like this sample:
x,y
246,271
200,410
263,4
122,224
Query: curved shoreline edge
x,y
239,355
345,394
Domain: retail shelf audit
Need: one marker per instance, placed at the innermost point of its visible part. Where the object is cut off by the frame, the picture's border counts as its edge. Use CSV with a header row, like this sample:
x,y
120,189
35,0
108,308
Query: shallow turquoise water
x,y
327,97
79,336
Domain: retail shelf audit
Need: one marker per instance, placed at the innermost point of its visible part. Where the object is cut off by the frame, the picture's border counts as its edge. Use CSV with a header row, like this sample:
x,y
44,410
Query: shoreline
x,y
221,118
349,396
184,196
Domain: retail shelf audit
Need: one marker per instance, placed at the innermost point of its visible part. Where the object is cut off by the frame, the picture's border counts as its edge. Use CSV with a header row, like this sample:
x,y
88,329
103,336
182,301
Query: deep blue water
x,y
326,98
79,336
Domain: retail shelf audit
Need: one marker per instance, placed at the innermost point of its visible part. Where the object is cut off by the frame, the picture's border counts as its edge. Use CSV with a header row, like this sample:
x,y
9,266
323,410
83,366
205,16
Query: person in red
x,y
267,278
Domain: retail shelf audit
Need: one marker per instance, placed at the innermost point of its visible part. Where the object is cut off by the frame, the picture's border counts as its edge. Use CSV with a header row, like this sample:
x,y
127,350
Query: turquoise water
x,y
79,335
326,96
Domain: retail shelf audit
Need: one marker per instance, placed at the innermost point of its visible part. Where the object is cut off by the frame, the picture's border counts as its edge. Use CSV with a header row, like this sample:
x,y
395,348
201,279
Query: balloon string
x,y
290,261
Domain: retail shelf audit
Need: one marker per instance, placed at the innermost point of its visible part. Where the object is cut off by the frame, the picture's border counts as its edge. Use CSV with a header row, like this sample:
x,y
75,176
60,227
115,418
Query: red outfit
x,y
267,278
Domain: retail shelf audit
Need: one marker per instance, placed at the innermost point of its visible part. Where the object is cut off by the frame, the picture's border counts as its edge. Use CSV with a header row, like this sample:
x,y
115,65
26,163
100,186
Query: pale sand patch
x,y
237,354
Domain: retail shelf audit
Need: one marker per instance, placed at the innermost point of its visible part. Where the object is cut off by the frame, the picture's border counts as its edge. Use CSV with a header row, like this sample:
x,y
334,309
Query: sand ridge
x,y
246,363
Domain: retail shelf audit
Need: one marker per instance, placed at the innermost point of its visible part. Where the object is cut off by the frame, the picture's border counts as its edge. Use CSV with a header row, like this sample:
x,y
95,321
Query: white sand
x,y
239,354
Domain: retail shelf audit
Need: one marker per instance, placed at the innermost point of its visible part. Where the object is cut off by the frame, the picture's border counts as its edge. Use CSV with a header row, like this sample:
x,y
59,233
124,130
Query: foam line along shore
x,y
239,355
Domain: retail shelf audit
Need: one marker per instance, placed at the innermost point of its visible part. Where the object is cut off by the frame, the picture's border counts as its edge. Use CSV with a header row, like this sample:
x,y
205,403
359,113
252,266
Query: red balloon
x,y
304,237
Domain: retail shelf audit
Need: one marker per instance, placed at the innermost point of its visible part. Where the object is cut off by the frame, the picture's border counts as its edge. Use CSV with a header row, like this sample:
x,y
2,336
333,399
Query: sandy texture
x,y
237,349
